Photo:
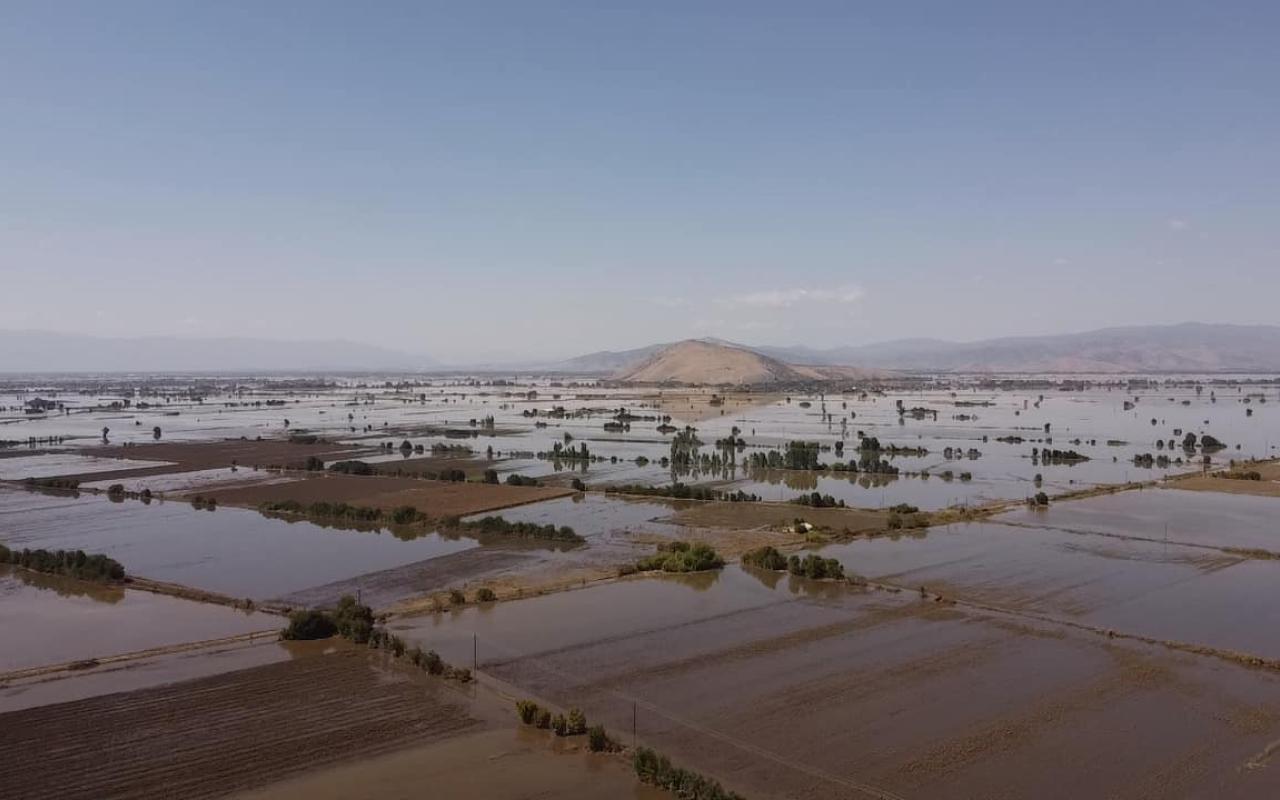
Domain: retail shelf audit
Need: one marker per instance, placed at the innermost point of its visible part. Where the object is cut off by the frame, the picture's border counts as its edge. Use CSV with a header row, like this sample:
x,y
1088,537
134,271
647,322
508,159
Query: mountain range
x,y
1186,347
46,351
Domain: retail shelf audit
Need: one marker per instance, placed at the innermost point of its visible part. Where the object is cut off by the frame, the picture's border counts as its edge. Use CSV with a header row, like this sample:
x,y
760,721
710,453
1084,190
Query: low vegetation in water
x,y
71,563
899,520
682,491
817,500
352,468
1241,475
354,621
681,557
815,567
657,770
528,530
572,724
349,619
766,557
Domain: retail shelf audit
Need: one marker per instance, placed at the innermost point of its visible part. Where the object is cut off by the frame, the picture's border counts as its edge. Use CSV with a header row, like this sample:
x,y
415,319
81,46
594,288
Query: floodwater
x,y
231,551
1206,518
19,467
792,688
960,414
48,620
1164,591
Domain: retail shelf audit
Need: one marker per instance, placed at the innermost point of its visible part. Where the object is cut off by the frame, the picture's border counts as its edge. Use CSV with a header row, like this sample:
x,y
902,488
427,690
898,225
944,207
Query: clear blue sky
x,y
475,179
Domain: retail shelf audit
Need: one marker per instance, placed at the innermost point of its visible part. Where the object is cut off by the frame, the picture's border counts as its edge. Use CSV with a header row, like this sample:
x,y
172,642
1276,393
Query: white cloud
x,y
1177,224
785,298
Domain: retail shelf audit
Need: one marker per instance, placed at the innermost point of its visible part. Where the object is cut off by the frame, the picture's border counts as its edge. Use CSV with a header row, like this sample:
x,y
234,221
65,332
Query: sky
x,y
488,180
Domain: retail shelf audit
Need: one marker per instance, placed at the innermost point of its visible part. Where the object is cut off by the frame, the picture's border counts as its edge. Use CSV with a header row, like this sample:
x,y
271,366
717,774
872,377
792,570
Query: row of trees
x,y
71,563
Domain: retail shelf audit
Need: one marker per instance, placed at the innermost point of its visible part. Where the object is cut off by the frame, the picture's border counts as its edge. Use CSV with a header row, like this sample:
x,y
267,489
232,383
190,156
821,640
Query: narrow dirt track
x,y
210,737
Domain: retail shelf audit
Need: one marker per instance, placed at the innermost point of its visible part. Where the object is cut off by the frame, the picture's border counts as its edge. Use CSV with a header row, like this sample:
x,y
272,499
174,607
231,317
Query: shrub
x,y
309,624
766,557
353,620
351,467
485,595
577,722
682,557
543,719
528,711
658,770
560,725
815,567
457,598
529,530
314,464
578,485
521,480
598,740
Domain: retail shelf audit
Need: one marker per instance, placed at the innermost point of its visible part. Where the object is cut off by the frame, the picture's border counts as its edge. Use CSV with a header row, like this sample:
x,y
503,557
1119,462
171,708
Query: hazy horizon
x,y
507,182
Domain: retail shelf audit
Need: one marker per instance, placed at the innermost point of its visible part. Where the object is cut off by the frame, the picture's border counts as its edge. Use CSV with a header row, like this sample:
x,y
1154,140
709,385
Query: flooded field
x,y
785,688
46,620
1203,518
978,442
230,551
1060,632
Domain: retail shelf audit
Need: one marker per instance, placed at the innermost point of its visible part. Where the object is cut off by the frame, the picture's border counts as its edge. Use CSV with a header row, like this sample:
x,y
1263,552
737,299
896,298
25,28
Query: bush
x,y
578,485
577,722
309,624
485,595
766,557
521,480
543,719
528,530
457,598
681,557
560,725
314,464
353,620
351,467
815,567
598,740
528,711
657,770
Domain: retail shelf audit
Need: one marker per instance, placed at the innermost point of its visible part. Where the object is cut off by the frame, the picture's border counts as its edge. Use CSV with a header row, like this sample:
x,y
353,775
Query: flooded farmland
x,y
49,620
230,551
990,652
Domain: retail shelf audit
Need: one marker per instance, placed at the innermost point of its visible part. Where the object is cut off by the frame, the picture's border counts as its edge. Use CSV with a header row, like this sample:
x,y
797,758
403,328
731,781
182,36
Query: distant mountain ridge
x,y
1185,347
44,351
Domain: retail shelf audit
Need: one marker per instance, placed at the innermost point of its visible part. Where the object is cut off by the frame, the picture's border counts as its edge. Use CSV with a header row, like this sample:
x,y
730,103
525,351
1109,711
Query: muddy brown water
x,y
786,688
1207,518
1173,592
46,620
231,551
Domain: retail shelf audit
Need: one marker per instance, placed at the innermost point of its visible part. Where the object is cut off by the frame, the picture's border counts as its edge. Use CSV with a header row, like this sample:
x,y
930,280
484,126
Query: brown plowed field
x,y
210,737
436,498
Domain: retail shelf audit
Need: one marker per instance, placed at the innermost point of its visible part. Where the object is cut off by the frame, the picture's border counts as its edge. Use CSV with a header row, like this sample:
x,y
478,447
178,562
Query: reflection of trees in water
x,y
405,533
798,585
65,587
698,581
